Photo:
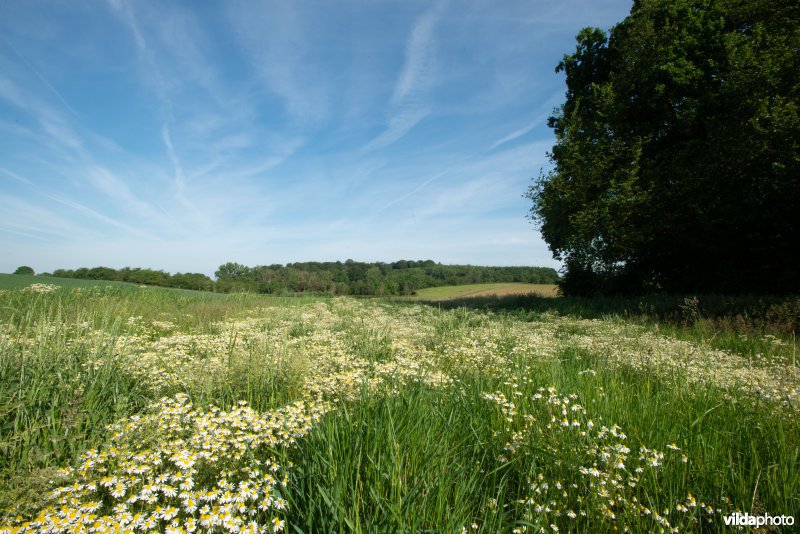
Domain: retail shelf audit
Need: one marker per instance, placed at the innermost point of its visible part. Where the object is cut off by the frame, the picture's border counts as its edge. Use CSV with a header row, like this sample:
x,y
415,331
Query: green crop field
x,y
19,281
131,409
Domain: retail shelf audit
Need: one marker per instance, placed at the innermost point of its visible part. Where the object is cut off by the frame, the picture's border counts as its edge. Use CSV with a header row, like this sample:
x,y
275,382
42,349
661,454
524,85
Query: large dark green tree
x,y
677,158
24,270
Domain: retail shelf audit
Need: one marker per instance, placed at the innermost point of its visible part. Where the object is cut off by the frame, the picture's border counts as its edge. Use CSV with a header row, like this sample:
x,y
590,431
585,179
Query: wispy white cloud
x,y
103,218
60,132
183,45
54,124
454,198
41,78
414,191
537,121
420,57
26,217
125,200
277,39
180,179
152,74
16,176
17,232
10,93
399,124
516,134
124,8
408,102
268,152
504,171
481,185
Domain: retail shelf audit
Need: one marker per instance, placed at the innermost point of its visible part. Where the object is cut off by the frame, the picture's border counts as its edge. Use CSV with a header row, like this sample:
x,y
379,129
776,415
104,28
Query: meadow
x,y
127,409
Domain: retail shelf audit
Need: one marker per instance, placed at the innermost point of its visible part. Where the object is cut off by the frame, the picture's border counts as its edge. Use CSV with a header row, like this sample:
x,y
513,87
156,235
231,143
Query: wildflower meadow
x,y
137,409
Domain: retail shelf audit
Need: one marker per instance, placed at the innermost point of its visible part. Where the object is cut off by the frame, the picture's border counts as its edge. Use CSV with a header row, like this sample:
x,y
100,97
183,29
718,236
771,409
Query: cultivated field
x,y
485,290
141,409
20,281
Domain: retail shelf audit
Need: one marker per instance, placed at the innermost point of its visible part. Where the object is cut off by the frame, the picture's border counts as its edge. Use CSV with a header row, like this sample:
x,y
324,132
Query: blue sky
x,y
182,135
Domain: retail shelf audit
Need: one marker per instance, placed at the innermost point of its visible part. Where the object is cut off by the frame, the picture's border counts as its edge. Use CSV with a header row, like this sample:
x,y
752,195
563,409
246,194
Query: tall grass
x,y
55,403
431,461
761,327
483,447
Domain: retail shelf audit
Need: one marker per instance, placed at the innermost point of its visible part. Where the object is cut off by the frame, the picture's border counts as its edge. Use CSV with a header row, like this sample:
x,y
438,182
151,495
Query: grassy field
x,y
19,281
484,290
144,409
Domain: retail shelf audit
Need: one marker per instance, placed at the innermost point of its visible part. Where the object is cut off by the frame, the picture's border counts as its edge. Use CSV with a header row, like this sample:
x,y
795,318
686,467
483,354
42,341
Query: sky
x,y
183,135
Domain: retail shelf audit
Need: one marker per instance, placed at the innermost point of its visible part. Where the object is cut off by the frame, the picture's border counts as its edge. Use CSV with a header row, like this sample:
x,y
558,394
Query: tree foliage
x,y
24,269
402,277
677,164
138,275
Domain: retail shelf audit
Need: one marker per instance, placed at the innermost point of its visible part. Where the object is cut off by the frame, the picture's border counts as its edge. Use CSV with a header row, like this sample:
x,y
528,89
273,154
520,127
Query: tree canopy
x,y
676,165
138,275
24,269
402,277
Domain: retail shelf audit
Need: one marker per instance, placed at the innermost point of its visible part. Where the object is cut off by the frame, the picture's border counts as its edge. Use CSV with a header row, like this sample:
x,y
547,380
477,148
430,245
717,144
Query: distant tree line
x,y
139,276
402,277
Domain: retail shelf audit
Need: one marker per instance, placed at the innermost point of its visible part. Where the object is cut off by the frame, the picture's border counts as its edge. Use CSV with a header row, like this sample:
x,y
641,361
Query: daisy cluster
x,y
626,345
175,361
338,346
336,370
40,288
180,469
555,434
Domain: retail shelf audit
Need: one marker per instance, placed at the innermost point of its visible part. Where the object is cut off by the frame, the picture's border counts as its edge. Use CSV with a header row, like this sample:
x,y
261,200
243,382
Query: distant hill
x,y
402,277
139,276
